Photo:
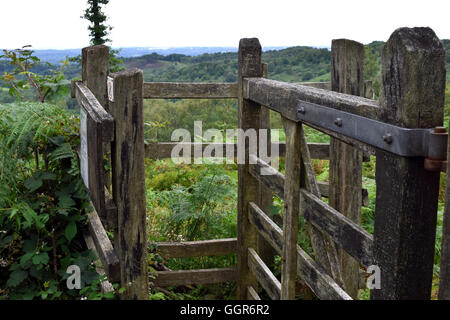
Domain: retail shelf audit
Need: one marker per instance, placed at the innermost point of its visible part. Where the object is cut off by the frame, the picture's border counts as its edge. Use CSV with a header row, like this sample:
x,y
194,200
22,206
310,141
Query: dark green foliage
x,y
42,201
98,30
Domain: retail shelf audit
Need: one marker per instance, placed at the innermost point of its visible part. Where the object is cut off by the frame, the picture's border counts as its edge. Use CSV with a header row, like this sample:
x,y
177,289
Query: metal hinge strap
x,y
404,142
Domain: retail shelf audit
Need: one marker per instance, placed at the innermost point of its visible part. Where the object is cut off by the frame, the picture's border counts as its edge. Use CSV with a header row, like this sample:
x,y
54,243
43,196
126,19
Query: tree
x,y
98,29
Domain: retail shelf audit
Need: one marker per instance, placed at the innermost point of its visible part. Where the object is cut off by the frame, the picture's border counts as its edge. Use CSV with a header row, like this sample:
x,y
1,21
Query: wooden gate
x,y
399,130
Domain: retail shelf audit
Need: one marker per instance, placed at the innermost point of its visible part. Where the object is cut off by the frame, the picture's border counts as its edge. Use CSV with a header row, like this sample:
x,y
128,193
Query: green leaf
x,y
41,258
16,278
66,201
25,258
32,184
71,231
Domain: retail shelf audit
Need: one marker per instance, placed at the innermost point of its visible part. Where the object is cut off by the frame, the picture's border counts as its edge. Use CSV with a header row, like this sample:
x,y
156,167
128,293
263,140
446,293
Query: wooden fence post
x,y
347,76
249,64
413,77
128,174
94,72
444,275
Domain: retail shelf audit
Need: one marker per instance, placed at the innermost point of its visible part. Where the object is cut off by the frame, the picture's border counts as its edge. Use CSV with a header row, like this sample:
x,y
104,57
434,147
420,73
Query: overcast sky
x,y
56,24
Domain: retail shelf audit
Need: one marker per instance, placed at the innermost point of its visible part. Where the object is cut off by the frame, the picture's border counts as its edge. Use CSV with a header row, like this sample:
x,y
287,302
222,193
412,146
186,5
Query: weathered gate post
x,y
413,77
249,65
347,76
128,173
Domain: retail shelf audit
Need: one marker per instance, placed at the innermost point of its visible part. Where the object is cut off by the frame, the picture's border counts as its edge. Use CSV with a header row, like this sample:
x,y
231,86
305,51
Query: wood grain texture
x,y
249,65
104,248
264,276
325,251
94,74
95,70
105,286
180,90
128,183
323,286
99,129
197,248
291,208
347,234
283,98
413,78
194,277
252,294
324,217
347,76
95,110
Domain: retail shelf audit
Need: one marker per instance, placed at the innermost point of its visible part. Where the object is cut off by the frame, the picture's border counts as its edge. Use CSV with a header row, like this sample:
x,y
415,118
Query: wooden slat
x,y
194,277
103,246
95,110
252,294
324,248
347,76
347,234
105,286
325,218
264,276
163,150
315,277
197,248
283,98
184,90
291,207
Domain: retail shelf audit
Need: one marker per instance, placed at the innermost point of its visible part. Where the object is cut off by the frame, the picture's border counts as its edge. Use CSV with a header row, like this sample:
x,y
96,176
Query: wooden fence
x,y
397,129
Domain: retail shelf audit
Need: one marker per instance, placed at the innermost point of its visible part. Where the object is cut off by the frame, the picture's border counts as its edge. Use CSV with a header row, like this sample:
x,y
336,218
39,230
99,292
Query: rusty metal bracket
x,y
406,142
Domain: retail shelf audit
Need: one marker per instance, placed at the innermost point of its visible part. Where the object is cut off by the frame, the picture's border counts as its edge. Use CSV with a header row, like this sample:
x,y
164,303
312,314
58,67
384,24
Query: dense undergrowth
x,y
41,205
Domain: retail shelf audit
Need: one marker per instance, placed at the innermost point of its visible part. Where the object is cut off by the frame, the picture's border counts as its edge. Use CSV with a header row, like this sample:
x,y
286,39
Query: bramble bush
x,y
42,201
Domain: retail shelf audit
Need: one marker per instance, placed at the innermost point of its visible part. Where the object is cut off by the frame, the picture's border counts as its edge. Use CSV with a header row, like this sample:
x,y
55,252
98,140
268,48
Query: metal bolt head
x,y
387,138
338,122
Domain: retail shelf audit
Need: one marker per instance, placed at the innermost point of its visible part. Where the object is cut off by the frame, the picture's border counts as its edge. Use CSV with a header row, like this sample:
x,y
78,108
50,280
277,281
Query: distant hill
x,y
290,64
56,56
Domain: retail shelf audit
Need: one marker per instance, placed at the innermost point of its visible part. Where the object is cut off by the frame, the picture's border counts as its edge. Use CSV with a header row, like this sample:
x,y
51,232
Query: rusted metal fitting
x,y
437,150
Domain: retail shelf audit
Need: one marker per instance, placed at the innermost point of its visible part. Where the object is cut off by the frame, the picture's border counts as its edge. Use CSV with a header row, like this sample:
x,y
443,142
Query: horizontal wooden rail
x,y
163,150
315,277
283,97
104,247
194,277
200,90
184,90
203,248
347,234
263,275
